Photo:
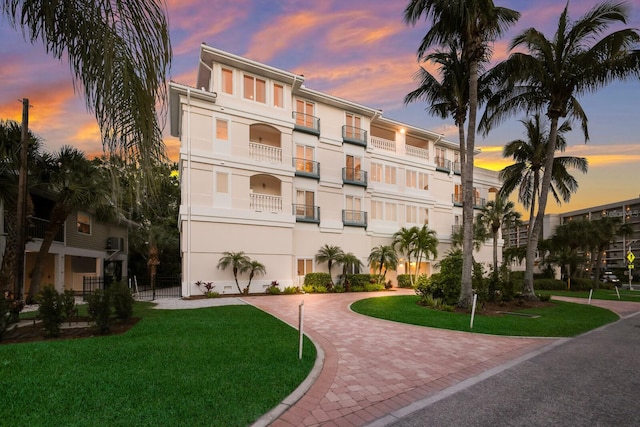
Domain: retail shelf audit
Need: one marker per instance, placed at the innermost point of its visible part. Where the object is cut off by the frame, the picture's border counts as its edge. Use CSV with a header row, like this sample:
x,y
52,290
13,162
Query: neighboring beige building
x,y
277,170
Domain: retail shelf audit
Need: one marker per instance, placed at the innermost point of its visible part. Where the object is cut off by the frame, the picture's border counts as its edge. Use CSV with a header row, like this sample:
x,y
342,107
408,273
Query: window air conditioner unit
x,y
115,243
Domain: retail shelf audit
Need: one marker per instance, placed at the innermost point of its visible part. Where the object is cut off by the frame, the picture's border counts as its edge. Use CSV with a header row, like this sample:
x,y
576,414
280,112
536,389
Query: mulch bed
x,y
499,308
32,333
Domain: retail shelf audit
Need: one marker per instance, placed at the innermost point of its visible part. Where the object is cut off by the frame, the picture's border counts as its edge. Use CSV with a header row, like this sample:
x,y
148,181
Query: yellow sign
x,y
630,266
630,257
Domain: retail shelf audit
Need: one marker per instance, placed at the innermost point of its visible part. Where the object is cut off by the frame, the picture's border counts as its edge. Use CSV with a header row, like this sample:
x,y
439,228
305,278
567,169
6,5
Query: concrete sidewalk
x,y
373,367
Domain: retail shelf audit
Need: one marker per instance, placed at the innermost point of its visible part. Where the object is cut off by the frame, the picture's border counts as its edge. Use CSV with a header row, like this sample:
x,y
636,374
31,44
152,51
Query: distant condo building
x,y
276,170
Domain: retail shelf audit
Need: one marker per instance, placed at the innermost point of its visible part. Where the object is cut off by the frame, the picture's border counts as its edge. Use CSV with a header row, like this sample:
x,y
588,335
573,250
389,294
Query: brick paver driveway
x,y
374,367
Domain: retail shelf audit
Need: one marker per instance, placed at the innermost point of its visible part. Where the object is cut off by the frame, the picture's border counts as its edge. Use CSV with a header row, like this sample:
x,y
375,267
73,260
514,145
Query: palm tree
x,y
480,235
349,263
493,215
604,230
237,261
329,254
255,268
529,164
119,53
426,245
404,241
471,25
74,183
10,140
383,257
551,74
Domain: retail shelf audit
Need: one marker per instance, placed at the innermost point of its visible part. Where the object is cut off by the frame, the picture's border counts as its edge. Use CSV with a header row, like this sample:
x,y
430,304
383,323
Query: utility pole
x,y
21,220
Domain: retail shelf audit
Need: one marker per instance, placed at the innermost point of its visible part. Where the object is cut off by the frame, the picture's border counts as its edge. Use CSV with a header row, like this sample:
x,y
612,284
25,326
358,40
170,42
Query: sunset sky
x,y
359,50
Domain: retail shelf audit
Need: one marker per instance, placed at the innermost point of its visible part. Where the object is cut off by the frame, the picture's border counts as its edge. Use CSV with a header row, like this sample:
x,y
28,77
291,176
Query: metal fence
x,y
142,288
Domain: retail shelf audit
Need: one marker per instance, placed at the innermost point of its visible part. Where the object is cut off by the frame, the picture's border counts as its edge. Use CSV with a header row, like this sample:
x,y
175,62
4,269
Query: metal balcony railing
x,y
442,164
354,218
307,213
38,226
307,168
354,176
354,135
307,123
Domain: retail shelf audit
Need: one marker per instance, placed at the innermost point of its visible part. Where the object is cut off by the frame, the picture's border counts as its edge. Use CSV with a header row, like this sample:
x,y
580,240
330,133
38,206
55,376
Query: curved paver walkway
x,y
374,367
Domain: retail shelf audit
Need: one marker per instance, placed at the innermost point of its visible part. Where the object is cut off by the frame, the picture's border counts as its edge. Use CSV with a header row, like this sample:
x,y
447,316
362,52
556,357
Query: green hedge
x,y
317,279
549,285
581,284
360,280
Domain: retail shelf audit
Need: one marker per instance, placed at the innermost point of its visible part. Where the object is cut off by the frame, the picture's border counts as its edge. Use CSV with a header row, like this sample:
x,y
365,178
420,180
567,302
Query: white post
x,y
590,293
473,309
300,328
618,292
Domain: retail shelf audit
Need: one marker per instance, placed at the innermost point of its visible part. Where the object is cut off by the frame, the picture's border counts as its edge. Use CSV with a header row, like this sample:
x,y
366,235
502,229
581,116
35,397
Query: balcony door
x,y
305,201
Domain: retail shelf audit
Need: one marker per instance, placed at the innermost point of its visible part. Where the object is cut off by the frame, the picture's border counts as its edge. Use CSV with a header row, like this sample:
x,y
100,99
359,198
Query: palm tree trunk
x,y
495,254
7,270
532,244
36,272
466,292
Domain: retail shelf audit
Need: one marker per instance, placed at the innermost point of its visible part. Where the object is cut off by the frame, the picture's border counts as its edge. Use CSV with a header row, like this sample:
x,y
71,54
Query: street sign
x,y
630,257
630,266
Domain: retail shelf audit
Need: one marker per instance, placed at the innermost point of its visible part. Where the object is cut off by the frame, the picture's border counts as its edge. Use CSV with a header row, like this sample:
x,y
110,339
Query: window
x,y
354,125
84,223
305,203
305,266
227,81
304,158
377,210
222,182
255,89
376,172
441,155
305,113
353,168
390,174
390,212
222,130
353,203
278,95
417,215
416,179
457,193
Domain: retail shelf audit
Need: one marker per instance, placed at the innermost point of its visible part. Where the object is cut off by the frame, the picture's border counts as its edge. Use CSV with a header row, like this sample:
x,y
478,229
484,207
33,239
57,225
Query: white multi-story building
x,y
277,170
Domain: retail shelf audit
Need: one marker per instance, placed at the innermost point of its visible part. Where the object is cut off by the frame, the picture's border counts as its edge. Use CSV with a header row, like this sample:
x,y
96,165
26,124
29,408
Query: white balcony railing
x,y
265,203
383,144
265,153
421,153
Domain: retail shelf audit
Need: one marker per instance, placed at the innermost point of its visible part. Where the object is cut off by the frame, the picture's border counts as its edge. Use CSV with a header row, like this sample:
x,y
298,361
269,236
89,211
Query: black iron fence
x,y
142,288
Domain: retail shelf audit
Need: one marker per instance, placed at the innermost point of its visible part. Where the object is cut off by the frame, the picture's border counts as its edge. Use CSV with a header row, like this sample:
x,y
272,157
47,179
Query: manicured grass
x,y
561,320
606,294
222,366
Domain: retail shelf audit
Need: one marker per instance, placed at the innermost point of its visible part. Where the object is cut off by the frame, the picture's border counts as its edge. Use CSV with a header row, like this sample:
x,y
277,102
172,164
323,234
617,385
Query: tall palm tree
x,y
237,261
10,140
529,164
255,268
404,241
472,25
552,73
383,257
119,53
426,245
331,255
604,230
493,215
75,183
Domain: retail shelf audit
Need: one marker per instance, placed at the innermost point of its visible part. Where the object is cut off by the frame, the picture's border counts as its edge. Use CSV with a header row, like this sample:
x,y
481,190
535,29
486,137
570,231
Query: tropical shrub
x,y
51,311
68,299
308,289
317,279
291,290
577,284
357,288
404,281
5,316
274,288
320,289
374,287
99,310
359,280
555,285
338,289
122,301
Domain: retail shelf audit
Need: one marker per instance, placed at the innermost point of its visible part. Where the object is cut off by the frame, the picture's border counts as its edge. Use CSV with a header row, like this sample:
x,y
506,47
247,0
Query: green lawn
x,y
223,366
561,320
606,294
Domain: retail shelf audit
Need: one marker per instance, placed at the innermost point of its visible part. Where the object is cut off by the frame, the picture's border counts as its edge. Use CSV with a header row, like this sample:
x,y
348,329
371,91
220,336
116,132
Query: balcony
x,y
354,218
307,213
306,123
265,203
354,135
443,164
38,227
421,153
457,168
265,153
478,202
383,144
306,168
354,176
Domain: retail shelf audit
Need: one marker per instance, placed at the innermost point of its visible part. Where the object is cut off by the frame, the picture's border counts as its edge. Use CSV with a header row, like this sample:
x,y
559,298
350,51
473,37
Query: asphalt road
x,y
591,380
